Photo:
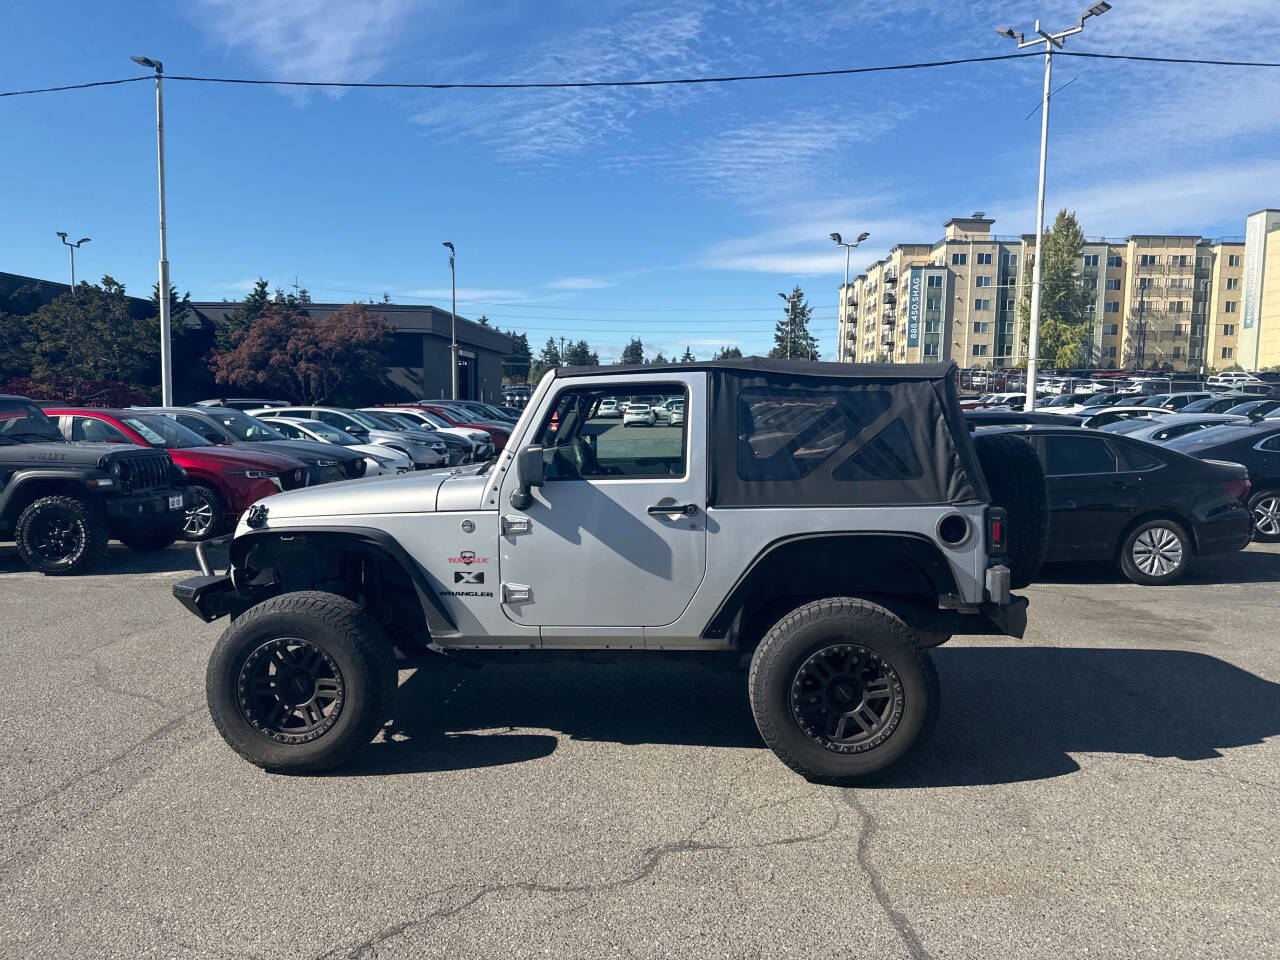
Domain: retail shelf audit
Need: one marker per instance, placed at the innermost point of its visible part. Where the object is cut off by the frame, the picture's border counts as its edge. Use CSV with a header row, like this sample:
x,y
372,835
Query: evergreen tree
x,y
791,336
550,356
516,367
238,320
728,353
660,358
1065,331
687,356
633,352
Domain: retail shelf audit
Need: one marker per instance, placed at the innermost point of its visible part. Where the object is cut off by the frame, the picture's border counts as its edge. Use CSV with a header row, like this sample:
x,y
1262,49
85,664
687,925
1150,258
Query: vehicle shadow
x,y
1009,714
177,558
1251,565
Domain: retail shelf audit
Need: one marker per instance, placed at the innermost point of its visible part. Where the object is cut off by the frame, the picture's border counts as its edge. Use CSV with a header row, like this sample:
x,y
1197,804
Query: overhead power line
x,y
659,82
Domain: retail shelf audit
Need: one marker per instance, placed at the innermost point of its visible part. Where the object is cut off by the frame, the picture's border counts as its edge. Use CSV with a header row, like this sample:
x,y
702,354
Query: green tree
x,y
239,319
687,356
580,354
93,334
633,352
791,336
15,354
659,357
1064,298
728,353
515,366
484,320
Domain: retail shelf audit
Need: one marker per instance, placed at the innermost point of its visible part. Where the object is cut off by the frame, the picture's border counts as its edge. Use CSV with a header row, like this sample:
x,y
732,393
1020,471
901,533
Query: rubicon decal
x,y
468,557
469,576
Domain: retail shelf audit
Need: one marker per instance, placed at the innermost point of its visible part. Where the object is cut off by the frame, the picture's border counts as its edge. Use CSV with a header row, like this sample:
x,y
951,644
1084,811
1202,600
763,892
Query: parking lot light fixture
x,y
166,353
62,235
453,320
1051,41
844,291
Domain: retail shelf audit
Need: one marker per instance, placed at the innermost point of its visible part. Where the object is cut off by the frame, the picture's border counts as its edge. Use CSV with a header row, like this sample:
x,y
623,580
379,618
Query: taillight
x,y
1237,489
997,524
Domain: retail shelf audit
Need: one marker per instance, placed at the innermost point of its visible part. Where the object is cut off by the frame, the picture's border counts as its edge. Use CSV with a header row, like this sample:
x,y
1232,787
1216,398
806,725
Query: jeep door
x,y
616,534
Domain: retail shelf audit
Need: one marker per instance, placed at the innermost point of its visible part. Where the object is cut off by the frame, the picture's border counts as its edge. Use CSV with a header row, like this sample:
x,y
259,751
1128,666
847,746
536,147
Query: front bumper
x,y
148,505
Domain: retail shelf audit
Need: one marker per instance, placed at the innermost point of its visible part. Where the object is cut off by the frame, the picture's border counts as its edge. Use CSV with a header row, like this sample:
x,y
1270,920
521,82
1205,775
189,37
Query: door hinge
x,y
516,592
515,525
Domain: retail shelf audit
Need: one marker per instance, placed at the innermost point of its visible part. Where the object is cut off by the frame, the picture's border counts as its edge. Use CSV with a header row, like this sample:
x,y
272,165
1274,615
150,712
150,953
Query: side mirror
x,y
531,471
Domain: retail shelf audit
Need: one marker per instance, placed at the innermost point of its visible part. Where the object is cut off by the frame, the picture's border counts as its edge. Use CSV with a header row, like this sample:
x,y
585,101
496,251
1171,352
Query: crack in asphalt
x,y
900,921
650,859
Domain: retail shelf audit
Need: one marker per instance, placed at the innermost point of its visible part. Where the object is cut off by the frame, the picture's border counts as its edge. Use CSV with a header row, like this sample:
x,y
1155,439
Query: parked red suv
x,y
222,481
458,418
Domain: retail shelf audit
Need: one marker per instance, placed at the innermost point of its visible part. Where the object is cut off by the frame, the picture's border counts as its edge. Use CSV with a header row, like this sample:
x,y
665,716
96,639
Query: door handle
x,y
673,509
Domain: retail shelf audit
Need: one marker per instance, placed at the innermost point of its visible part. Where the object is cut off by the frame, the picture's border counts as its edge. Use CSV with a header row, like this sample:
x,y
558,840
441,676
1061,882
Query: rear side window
x,y
786,434
1073,456
1136,460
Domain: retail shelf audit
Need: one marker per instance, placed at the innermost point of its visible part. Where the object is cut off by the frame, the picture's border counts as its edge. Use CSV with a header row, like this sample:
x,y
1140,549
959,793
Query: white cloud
x,y
466,294
580,283
310,39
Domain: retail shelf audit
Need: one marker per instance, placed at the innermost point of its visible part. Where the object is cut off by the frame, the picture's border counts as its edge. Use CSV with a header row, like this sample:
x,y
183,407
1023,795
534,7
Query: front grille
x,y
147,472
354,468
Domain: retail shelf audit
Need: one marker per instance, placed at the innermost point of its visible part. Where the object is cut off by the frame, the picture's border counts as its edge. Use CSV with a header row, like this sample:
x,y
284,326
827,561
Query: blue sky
x,y
673,214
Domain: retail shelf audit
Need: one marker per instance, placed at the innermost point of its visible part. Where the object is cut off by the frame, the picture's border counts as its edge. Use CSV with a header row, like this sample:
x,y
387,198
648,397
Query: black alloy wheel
x,y
55,536
290,690
61,535
846,698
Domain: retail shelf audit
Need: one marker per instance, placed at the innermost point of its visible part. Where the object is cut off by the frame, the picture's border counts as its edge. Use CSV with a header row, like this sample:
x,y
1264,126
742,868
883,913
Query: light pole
x,y
1050,41
73,247
844,291
453,319
166,352
791,299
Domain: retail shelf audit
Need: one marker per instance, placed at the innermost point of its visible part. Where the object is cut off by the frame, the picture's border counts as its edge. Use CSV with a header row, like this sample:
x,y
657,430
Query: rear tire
x,y
58,536
301,682
1015,478
840,690
1155,553
206,514
1265,507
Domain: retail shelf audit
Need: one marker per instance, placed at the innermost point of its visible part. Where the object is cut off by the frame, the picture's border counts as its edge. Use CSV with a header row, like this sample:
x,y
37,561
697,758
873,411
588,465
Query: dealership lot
x,y
1110,785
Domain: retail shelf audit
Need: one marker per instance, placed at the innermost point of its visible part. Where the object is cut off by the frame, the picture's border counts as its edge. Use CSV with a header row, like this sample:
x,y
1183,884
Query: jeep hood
x,y
402,493
73,454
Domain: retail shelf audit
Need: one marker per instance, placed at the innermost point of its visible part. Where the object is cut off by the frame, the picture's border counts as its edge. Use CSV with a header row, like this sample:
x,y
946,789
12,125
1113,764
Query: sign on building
x,y
915,305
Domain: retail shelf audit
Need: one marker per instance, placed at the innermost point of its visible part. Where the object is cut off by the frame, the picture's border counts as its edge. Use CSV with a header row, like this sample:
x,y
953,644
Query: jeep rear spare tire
x,y
61,535
1015,478
840,690
300,682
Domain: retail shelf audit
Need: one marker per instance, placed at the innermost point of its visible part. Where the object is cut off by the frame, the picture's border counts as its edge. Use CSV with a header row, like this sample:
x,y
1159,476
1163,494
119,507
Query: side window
x,y
786,434
288,429
332,419
1135,460
1073,456
92,430
200,427
589,437
1271,444
890,456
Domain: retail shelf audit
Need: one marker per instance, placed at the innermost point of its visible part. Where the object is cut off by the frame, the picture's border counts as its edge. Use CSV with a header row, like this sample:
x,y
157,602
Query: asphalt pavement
x,y
1108,786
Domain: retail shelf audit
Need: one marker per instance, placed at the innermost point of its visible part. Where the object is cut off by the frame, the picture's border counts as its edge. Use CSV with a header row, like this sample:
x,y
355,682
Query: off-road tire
x,y
1169,539
832,624
1016,481
150,537
88,533
1262,505
202,495
346,636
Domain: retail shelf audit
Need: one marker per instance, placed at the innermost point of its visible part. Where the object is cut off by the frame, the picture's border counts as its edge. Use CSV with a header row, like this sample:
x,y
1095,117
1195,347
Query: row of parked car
x,y
1149,485
206,464
642,411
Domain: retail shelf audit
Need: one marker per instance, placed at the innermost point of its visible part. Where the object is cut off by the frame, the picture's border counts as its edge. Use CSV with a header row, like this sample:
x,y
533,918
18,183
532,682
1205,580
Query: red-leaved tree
x,y
289,354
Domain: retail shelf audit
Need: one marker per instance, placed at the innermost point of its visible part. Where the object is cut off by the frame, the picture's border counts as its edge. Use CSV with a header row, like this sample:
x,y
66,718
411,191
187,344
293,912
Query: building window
x,y
982,281
931,350
1113,283
959,259
1008,259
1177,282
1228,329
932,326
1090,259
979,349
1233,260
1177,352
982,304
1227,353
1149,260
984,258
934,279
981,326
933,303
1233,283
1230,306
1112,306
1110,329
1113,260
1176,306
1108,353
1010,304
1202,263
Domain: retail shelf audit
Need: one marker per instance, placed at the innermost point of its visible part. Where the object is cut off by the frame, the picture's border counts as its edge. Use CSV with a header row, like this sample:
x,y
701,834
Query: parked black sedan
x,y
1257,447
1146,508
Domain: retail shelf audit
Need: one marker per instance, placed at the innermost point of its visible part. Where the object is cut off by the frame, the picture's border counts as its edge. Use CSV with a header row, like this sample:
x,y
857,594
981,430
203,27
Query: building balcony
x,y
890,297
891,276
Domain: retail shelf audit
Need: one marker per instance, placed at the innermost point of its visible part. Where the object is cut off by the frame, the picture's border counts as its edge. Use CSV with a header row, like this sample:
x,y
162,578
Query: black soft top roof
x,y
764,365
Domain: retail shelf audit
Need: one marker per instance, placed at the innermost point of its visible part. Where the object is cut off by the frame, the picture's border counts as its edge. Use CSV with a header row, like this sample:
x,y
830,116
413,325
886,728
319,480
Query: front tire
x,y
206,514
1155,553
841,691
58,536
300,682
1265,507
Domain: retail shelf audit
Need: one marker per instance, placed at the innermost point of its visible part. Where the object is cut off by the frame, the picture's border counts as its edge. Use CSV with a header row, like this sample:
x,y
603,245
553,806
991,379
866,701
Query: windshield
x,y
399,421
21,421
366,420
163,432
243,426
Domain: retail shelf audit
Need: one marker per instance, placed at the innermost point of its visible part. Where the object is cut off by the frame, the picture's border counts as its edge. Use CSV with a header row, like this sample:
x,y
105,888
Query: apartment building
x,y
1156,299
1259,336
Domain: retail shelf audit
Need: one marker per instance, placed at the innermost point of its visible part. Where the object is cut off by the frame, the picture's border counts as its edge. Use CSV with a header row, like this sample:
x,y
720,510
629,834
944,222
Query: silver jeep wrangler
x,y
822,524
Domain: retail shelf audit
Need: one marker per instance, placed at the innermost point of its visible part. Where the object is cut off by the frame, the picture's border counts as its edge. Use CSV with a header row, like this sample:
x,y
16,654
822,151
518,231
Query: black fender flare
x,y
365,539
917,549
21,479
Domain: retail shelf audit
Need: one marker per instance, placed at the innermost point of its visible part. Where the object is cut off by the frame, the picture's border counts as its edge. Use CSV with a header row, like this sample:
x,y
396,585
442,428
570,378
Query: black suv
x,y
63,501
